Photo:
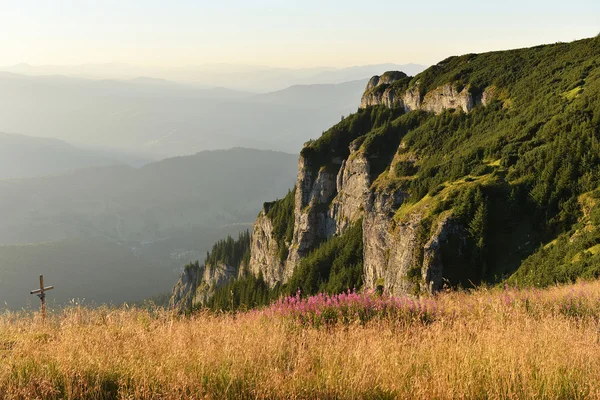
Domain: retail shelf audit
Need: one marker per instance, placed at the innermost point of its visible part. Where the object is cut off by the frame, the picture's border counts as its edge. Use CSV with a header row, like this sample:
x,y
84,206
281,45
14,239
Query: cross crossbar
x,y
36,291
41,293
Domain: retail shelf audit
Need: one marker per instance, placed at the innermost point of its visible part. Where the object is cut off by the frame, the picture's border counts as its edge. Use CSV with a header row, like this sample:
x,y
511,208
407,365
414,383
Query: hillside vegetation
x,y
518,172
500,344
333,267
518,175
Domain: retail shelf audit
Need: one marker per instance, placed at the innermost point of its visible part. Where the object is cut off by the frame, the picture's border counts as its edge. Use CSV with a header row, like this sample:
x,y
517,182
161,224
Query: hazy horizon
x,y
246,78
160,34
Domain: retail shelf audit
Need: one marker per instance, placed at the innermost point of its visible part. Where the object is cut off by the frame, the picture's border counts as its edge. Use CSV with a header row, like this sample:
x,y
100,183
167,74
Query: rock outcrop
x,y
353,191
446,97
388,93
315,189
388,249
182,296
379,90
327,204
433,264
198,283
265,252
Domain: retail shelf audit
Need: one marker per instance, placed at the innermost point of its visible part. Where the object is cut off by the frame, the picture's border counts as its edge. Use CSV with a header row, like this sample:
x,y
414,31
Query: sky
x,y
280,33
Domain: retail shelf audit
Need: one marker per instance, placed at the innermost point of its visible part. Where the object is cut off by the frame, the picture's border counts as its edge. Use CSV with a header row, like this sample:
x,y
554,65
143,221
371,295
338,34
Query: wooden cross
x,y
41,293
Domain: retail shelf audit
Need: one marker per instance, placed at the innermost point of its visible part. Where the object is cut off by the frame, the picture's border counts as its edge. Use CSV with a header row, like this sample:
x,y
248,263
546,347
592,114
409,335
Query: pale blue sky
x,y
280,33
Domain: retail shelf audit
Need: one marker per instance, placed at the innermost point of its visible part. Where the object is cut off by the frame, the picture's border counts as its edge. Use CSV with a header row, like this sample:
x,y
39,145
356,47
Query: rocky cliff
x,y
455,176
395,90
265,252
198,283
331,196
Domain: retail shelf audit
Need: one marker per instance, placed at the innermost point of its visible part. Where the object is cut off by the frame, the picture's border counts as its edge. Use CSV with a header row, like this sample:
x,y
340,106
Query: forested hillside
x,y
484,168
513,171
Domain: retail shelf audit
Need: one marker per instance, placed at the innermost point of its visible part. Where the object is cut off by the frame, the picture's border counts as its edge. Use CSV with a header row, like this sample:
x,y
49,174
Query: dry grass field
x,y
492,344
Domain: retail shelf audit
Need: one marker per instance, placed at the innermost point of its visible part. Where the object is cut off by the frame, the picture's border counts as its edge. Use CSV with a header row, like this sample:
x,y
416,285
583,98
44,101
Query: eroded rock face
x,y
353,191
404,256
314,191
445,97
388,249
329,199
411,100
488,95
433,265
183,293
197,284
317,216
264,252
379,91
373,82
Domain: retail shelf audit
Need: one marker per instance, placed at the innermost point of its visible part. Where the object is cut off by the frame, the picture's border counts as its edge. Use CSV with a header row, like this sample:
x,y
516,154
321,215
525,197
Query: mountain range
x,y
159,119
247,78
25,157
132,229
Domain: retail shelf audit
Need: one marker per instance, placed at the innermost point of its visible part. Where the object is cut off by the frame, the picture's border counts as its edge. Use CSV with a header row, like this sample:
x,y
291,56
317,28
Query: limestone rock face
x,y
314,191
411,100
379,92
264,252
389,250
398,252
214,276
433,266
488,94
317,216
183,293
353,191
392,249
197,284
446,97
373,82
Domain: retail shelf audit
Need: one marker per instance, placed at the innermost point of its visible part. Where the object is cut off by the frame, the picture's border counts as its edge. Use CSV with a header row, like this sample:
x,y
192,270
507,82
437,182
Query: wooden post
x,y
41,293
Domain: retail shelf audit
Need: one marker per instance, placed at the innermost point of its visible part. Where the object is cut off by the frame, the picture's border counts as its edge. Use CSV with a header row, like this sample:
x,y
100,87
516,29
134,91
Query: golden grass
x,y
573,93
489,344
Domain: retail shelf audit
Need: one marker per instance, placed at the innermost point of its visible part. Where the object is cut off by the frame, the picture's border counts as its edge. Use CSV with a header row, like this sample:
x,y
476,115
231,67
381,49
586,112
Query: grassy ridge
x,y
487,344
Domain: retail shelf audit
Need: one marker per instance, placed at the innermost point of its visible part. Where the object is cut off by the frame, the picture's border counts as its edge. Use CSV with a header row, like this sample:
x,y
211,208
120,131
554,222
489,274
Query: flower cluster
x,y
353,307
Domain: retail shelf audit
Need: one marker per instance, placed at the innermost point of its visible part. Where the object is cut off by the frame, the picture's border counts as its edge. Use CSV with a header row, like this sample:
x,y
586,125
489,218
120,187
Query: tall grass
x,y
486,344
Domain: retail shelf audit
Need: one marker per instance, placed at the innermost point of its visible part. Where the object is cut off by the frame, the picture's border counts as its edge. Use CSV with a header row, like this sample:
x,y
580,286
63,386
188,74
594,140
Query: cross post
x,y
41,293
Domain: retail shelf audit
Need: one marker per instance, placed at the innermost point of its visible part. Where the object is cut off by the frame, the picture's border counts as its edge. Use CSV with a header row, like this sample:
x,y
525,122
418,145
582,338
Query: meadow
x,y
485,344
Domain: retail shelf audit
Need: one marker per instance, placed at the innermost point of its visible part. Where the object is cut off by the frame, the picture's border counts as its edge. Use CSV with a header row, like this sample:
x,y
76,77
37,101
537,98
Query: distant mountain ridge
x,y
139,204
317,95
24,156
165,119
123,226
253,78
